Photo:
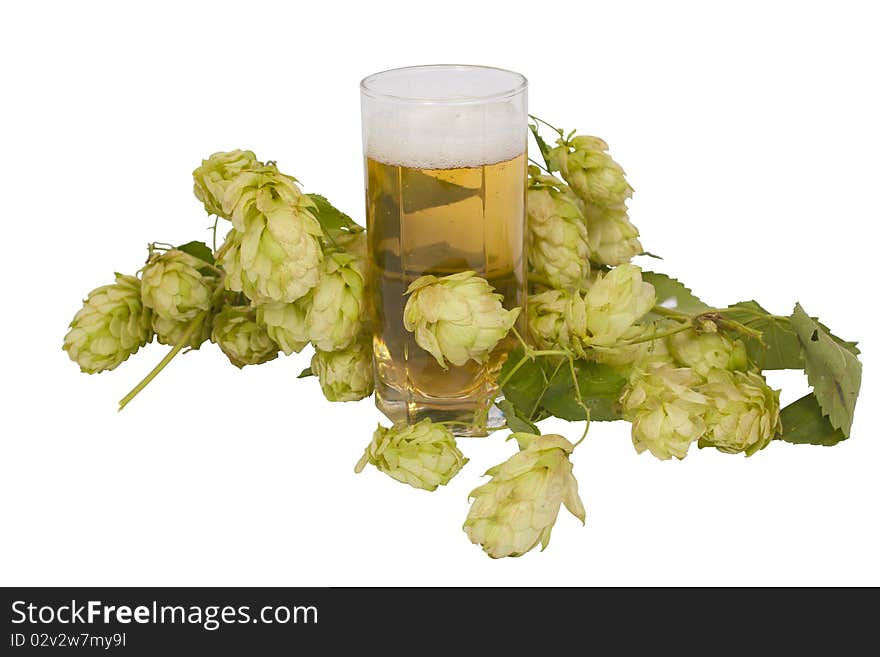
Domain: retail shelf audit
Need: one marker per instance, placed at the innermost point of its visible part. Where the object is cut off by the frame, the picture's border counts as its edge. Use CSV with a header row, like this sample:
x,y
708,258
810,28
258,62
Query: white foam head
x,y
441,117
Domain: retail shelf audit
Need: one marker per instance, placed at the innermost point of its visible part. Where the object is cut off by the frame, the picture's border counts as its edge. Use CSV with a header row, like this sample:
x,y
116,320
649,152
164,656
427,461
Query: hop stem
x,y
552,127
162,363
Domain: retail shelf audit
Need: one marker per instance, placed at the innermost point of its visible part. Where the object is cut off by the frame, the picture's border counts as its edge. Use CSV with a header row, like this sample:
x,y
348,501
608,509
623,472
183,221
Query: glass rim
x,y
521,85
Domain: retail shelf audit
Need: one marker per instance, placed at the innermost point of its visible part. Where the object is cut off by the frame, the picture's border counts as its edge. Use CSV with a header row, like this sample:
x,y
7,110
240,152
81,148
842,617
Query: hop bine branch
x,y
598,340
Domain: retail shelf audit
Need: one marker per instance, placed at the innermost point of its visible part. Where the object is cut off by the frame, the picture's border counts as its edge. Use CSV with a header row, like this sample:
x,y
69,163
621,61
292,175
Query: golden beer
x,y
440,221
445,177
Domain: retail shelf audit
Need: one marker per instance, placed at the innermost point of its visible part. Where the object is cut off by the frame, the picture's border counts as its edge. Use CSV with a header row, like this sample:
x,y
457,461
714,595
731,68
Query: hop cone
x,y
586,165
286,323
613,239
557,319
242,339
703,352
600,182
338,306
111,326
666,411
557,236
214,175
273,253
456,318
170,332
517,508
423,455
743,413
345,375
173,287
615,302
629,356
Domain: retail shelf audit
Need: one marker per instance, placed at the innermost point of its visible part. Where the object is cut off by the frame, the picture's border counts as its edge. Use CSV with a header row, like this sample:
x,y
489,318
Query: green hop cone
x,y
345,375
557,319
615,302
286,323
456,318
601,184
613,239
423,455
628,356
111,326
214,175
338,306
517,508
175,287
586,165
557,235
170,332
703,352
666,411
743,413
243,340
273,253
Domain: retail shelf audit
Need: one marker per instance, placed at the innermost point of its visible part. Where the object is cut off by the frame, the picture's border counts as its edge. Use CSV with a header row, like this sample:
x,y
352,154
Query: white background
x,y
750,135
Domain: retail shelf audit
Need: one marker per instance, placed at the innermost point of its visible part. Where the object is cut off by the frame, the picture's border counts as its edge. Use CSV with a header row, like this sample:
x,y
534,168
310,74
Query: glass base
x,y
465,420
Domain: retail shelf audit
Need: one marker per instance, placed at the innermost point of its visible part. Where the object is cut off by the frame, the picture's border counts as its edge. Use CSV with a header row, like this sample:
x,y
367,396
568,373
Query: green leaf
x,y
542,145
515,421
804,424
306,373
544,386
778,348
330,217
198,250
669,290
833,370
525,388
600,388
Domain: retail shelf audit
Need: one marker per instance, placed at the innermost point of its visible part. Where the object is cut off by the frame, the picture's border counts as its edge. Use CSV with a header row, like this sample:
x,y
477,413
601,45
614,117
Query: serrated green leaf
x,y
834,372
305,373
515,421
673,293
332,218
804,424
544,386
600,388
198,250
778,348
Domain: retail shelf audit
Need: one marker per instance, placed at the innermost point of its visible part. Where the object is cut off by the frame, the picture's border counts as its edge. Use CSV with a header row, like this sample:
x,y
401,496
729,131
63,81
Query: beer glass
x,y
445,173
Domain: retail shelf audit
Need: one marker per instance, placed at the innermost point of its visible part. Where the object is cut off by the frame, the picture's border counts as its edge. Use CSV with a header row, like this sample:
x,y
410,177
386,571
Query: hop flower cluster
x,y
517,508
244,340
456,318
423,455
211,179
347,374
601,185
178,287
287,275
111,325
703,393
558,247
600,317
273,252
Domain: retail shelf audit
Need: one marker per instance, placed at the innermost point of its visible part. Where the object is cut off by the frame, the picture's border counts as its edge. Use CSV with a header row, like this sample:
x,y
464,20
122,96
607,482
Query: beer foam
x,y
444,136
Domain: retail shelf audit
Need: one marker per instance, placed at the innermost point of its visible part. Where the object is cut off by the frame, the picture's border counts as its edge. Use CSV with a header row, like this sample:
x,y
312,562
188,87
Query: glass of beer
x,y
445,171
